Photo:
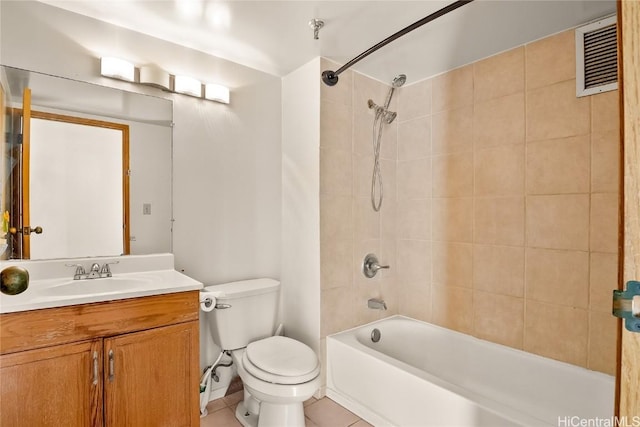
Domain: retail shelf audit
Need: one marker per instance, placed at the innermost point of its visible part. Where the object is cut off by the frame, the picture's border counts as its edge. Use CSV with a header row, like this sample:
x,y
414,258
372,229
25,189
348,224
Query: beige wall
x,y
500,212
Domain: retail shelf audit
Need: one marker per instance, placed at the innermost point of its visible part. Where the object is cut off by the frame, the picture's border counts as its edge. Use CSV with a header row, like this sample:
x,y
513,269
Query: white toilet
x,y
278,373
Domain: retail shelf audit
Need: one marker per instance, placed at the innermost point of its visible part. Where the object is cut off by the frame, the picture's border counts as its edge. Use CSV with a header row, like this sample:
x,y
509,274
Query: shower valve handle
x,y
370,266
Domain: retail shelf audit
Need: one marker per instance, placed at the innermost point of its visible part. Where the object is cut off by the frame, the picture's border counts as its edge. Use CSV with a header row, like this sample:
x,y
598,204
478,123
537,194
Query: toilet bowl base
x,y
246,418
272,415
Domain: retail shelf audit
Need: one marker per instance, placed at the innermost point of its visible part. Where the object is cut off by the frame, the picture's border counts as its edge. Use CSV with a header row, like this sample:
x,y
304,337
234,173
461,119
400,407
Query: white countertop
x,y
51,282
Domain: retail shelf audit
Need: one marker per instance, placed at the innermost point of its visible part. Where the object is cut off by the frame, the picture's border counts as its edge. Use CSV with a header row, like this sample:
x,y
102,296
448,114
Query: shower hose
x,y
376,178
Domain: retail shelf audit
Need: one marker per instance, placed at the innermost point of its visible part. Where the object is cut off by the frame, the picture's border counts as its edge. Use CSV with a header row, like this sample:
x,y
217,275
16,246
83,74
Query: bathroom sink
x,y
51,283
103,286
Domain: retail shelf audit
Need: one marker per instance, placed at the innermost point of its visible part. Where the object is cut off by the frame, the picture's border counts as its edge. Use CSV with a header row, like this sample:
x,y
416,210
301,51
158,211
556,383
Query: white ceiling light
x,y
117,68
154,76
188,86
216,92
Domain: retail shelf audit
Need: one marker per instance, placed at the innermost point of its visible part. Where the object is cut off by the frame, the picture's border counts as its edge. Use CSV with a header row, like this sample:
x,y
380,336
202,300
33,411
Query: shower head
x,y
399,80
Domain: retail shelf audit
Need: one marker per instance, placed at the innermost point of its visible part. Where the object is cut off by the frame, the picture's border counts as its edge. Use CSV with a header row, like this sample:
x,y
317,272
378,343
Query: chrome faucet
x,y
105,271
376,304
96,272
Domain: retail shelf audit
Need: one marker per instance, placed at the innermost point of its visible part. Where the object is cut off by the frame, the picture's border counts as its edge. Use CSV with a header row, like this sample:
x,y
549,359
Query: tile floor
x,y
318,413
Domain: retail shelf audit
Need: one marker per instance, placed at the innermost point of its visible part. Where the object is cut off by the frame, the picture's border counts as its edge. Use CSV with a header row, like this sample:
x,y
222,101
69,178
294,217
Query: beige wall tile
x,y
388,220
605,111
603,279
558,277
414,138
388,143
336,123
453,89
602,342
499,121
413,219
452,264
341,93
604,222
415,302
498,318
452,175
452,219
336,263
335,172
499,171
499,269
414,100
452,131
499,220
605,161
499,75
558,332
389,180
414,263
558,166
337,310
452,308
336,219
366,221
558,222
363,136
551,60
362,171
555,112
362,133
413,178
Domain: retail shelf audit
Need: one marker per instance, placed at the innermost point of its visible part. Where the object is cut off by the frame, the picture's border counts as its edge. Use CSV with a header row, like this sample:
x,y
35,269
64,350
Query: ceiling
x,y
275,37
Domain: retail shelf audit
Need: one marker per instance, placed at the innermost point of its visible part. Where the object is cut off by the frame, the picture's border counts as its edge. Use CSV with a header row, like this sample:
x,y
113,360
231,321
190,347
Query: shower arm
x,y
330,78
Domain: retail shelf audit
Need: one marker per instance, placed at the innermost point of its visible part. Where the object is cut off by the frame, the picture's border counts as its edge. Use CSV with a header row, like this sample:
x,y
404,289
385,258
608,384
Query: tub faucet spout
x,y
376,304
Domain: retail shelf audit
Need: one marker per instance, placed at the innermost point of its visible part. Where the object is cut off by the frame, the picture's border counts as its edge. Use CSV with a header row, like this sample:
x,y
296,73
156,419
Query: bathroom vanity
x,y
130,358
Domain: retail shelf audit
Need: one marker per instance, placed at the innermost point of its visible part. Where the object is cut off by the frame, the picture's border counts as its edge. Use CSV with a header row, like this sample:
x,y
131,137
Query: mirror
x,y
141,215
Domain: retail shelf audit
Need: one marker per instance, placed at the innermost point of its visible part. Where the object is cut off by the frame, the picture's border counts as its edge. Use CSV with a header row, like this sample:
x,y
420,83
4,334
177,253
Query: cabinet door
x,y
54,386
151,377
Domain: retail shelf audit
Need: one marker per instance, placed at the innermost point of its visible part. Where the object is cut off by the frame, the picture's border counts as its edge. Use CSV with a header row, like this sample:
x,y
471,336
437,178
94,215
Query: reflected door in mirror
x,y
78,182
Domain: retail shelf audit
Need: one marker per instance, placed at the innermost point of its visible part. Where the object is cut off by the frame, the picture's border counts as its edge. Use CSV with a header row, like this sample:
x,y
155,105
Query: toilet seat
x,y
281,360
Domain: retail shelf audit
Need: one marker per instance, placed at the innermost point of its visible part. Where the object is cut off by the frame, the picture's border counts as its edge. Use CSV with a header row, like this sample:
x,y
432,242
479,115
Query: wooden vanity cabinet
x,y
135,362
52,386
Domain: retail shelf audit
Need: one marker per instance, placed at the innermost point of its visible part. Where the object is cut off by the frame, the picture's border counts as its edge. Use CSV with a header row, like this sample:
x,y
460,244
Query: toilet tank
x,y
251,314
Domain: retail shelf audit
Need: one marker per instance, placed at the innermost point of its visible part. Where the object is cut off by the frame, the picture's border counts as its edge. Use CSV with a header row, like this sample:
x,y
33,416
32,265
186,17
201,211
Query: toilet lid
x,y
281,360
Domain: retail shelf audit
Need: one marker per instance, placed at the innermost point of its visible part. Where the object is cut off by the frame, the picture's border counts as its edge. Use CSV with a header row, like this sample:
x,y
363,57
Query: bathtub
x,y
421,375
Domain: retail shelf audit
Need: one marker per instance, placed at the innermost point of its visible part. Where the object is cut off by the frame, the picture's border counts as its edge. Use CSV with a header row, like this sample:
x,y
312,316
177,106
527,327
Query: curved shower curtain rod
x,y
330,78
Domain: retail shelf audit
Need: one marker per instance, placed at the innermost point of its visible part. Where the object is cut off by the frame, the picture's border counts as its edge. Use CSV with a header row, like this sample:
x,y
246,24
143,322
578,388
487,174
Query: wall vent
x,y
597,57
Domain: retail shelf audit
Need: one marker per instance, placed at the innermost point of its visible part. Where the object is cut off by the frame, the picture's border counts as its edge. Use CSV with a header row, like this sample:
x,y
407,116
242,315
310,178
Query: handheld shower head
x,y
399,80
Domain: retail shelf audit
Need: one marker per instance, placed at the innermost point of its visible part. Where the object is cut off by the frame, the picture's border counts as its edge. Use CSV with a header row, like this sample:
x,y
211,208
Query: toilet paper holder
x,y
208,302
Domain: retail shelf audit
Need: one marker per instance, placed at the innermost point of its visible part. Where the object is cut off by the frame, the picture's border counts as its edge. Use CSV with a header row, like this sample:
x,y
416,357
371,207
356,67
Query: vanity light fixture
x,y
215,92
154,76
117,68
187,85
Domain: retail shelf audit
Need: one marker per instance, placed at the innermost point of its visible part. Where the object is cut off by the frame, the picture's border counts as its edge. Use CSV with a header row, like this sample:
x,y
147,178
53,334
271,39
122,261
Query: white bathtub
x,y
420,375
